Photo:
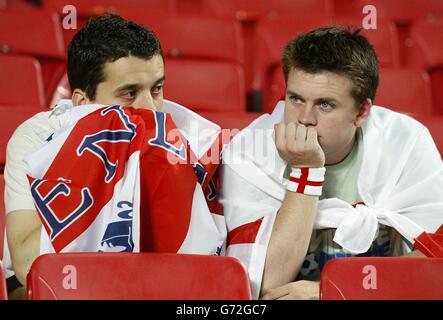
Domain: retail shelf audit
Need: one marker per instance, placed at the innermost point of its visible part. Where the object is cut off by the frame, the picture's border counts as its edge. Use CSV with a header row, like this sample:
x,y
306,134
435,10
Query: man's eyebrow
x,y
328,99
135,86
292,93
128,86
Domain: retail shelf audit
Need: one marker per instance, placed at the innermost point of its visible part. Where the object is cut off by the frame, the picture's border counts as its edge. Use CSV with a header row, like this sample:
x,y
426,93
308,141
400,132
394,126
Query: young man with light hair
x,y
338,177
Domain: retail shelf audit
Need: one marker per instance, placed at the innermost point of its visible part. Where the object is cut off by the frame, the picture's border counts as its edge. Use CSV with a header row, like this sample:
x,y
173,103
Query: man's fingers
x,y
290,131
279,135
290,135
300,136
312,136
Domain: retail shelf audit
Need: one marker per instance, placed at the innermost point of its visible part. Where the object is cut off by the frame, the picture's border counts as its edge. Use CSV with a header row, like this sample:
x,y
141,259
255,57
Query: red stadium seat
x,y
205,85
87,8
191,36
20,3
10,119
382,279
273,34
2,214
251,10
400,11
39,34
190,6
24,84
426,45
436,76
384,39
3,291
148,276
427,52
404,90
276,90
32,32
403,12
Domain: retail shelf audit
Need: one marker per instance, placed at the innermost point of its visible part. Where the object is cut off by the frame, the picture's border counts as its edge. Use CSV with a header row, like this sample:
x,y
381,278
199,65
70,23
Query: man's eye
x,y
158,89
295,100
129,95
326,106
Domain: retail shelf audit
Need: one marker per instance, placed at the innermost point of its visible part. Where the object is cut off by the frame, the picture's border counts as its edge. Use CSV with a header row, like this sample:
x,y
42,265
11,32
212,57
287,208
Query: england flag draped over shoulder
x,y
117,179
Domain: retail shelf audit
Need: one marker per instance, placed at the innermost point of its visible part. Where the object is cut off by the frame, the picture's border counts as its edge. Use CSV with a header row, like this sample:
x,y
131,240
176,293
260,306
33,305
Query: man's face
x,y
133,81
324,101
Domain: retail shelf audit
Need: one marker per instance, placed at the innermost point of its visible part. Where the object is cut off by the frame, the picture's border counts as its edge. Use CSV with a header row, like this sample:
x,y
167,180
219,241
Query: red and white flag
x,y
117,179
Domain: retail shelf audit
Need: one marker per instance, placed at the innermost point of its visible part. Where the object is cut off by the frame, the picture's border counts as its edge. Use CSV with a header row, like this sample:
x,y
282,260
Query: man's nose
x,y
146,101
307,116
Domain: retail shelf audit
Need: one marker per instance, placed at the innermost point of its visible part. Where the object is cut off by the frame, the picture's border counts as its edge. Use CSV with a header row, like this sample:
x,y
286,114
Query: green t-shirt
x,y
341,178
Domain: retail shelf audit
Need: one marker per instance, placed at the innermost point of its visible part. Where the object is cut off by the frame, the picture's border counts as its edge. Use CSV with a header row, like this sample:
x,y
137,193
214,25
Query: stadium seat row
x,y
111,276
206,48
252,10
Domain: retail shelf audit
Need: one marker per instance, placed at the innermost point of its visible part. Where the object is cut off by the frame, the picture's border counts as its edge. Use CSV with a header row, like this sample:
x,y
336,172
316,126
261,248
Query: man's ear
x,y
363,112
79,98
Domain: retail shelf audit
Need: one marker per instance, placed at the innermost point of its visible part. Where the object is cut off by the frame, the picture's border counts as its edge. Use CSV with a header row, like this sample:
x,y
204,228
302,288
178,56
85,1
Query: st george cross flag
x,y
116,179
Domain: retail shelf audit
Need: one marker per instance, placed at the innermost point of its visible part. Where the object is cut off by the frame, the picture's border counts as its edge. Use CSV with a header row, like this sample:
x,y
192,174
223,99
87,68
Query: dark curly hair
x,y
106,39
336,49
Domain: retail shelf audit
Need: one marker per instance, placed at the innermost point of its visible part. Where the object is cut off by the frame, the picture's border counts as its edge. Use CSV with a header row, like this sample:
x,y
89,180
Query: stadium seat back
x,y
88,8
45,42
436,76
24,84
425,44
198,37
385,40
275,91
32,32
400,11
137,276
382,278
52,74
426,51
205,85
404,90
252,10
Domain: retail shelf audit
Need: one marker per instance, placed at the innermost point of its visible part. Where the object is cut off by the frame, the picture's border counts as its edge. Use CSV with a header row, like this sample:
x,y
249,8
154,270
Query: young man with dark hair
x,y
338,177
111,61
116,61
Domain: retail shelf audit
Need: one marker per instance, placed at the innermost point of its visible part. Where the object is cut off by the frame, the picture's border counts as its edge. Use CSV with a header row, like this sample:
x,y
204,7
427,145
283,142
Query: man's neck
x,y
341,154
